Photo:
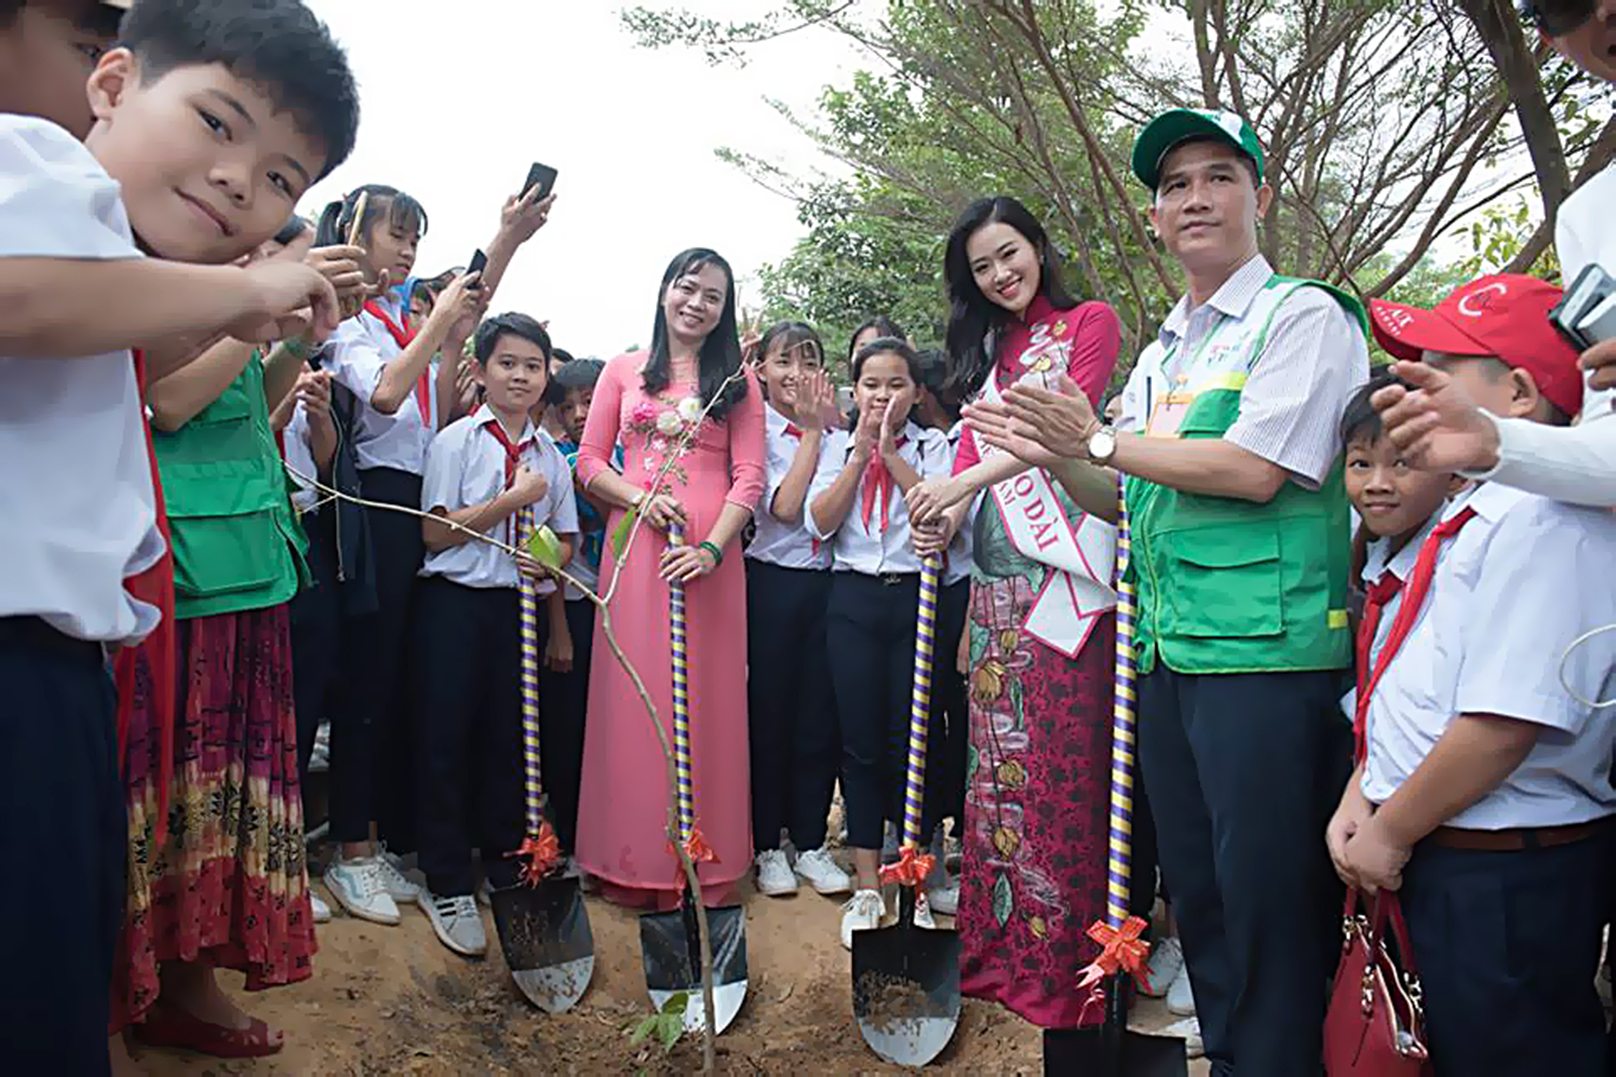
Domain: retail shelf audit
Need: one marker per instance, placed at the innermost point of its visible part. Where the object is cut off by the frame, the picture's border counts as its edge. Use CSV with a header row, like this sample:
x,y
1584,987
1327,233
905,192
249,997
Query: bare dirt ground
x,y
387,1001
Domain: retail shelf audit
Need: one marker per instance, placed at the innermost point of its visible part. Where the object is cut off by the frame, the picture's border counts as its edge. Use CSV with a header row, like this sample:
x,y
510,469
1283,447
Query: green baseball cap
x,y
1164,132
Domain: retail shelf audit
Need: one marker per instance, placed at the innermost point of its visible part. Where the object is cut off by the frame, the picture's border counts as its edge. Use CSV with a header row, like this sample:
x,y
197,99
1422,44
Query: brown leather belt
x,y
1517,840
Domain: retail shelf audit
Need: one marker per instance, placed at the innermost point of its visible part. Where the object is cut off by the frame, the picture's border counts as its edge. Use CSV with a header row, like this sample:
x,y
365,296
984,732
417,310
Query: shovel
x,y
1112,1049
543,927
906,993
670,942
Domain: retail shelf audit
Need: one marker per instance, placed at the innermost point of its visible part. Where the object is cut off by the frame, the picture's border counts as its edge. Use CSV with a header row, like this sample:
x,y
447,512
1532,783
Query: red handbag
x,y
1376,1026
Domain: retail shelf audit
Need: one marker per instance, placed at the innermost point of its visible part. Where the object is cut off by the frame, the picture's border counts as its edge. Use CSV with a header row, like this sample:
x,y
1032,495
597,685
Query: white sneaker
x,y
1180,998
357,885
1188,1030
458,923
1166,965
322,911
819,870
923,913
861,913
944,899
774,874
400,886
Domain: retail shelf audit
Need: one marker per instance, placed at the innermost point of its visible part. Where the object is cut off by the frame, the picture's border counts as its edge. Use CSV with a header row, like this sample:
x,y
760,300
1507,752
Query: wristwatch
x,y
1102,445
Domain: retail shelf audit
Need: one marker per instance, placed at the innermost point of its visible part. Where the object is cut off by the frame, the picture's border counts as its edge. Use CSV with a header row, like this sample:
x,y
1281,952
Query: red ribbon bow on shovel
x,y
1122,950
912,868
699,852
539,854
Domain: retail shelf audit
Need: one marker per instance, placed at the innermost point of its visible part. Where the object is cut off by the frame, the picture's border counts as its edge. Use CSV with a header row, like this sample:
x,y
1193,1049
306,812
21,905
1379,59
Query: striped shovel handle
x,y
681,695
914,792
1123,728
531,658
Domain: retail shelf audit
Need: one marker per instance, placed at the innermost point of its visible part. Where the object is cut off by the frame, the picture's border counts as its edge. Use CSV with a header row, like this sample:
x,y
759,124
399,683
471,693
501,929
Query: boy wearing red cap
x,y
1485,789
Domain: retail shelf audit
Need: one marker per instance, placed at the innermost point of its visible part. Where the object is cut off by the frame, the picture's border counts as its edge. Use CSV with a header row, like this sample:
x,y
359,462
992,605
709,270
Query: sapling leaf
x,y
643,1030
673,1026
545,547
677,1002
620,536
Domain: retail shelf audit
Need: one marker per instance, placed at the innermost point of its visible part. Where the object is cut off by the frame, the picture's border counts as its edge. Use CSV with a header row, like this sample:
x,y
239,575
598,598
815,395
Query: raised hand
x,y
1436,426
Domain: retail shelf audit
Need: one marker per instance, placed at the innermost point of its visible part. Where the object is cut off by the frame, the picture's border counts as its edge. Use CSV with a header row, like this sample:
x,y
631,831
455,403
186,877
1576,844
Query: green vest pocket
x,y
1221,581
215,555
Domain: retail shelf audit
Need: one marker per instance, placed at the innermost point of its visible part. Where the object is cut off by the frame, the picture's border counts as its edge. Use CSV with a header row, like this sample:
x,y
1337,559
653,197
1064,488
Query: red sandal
x,y
176,1028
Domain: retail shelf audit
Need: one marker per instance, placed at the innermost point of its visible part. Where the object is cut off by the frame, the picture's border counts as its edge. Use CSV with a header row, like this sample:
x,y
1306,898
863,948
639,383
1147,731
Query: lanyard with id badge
x,y
1166,415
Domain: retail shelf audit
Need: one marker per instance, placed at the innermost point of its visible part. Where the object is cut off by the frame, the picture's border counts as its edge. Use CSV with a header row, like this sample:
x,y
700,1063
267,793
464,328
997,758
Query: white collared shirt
x,y
1512,591
75,475
1314,358
466,466
357,355
776,542
875,552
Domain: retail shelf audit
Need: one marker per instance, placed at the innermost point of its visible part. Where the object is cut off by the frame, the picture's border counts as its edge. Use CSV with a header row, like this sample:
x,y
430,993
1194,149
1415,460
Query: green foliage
x,y
667,1024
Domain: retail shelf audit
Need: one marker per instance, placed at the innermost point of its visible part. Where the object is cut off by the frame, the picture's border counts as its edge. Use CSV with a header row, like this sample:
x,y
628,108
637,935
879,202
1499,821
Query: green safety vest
x,y
1226,585
237,543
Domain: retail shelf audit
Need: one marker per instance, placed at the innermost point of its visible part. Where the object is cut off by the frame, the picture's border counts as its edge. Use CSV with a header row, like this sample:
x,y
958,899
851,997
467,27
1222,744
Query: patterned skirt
x,y
229,887
1036,802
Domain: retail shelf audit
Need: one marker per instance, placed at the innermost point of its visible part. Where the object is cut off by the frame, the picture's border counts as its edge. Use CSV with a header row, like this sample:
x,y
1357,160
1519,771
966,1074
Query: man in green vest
x,y
1228,450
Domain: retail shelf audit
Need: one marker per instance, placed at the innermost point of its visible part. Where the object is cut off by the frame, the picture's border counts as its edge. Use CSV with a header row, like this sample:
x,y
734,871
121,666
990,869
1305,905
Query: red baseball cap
x,y
1505,316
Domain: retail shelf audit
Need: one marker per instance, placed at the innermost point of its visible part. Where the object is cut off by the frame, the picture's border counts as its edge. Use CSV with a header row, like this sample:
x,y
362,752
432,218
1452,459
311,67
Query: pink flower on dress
x,y
644,413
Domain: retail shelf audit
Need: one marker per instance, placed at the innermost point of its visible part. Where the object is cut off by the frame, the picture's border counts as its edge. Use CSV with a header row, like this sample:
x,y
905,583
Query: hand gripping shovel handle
x,y
681,696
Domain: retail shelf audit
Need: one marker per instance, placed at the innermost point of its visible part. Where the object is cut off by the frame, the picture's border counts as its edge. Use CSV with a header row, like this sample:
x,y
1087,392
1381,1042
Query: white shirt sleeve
x,y
440,485
56,201
1291,405
1539,560
1575,464
832,458
354,360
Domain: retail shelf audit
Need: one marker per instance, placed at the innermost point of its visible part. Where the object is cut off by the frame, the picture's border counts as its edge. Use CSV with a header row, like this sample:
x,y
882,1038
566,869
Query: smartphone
x,y
1586,314
479,262
542,176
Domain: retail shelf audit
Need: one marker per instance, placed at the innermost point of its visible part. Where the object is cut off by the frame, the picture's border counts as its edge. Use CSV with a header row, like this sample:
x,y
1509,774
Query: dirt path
x,y
387,1001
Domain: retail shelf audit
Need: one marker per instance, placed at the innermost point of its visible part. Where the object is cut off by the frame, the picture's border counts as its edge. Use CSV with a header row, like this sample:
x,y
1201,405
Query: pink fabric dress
x,y
623,806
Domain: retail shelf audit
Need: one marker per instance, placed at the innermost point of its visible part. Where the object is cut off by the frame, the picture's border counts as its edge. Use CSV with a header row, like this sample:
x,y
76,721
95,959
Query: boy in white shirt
x,y
1485,793
78,481
492,472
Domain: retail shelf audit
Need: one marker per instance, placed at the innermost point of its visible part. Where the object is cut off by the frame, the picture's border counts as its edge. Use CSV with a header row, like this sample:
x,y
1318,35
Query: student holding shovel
x,y
481,472
856,502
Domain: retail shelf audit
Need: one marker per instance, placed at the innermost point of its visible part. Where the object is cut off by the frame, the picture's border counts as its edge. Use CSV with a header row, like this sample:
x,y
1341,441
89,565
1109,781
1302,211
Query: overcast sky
x,y
459,97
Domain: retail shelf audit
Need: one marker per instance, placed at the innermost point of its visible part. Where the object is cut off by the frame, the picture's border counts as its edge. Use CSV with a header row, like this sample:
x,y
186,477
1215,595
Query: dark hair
x,y
98,19
973,316
933,370
578,374
560,355
1360,419
336,220
423,288
517,325
884,325
790,335
292,229
720,355
881,346
1245,158
277,45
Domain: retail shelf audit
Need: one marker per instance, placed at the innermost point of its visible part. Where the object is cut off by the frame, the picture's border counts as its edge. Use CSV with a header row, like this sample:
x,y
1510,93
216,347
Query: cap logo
x,y
1395,319
1476,303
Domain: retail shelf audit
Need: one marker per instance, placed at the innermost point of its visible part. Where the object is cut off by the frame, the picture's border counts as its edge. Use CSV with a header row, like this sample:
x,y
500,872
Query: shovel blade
x,y
1101,1052
544,934
670,943
906,993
